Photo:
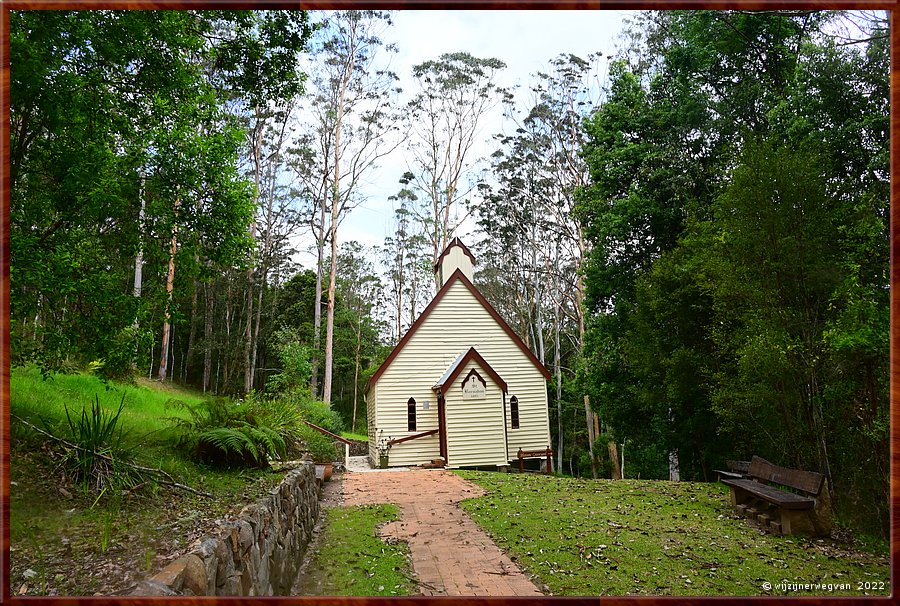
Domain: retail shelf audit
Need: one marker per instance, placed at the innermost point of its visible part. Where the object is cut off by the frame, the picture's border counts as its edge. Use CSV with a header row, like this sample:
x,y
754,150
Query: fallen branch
x,y
419,582
161,476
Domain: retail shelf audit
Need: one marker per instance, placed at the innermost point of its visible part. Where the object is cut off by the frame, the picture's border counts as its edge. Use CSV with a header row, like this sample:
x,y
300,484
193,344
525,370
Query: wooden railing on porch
x,y
424,434
334,436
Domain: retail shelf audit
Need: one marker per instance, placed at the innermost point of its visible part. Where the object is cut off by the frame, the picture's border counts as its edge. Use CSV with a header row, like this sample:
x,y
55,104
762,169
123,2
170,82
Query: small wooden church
x,y
460,385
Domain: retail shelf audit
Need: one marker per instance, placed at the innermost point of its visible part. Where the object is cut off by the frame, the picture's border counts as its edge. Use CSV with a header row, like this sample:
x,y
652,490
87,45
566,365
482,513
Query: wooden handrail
x,y
329,434
408,438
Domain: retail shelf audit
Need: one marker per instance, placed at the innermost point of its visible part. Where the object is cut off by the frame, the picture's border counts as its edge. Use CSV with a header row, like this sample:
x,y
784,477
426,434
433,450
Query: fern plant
x,y
225,433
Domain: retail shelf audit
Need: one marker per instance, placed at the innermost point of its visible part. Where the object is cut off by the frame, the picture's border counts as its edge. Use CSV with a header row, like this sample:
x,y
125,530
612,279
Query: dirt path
x,y
451,554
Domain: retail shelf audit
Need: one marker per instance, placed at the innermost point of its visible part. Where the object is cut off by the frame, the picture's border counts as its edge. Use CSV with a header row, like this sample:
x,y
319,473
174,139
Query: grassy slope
x,y
353,561
32,396
639,537
76,544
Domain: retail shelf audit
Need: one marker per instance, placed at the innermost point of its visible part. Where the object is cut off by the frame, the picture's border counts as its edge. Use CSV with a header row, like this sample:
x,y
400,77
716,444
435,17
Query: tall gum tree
x,y
455,93
351,122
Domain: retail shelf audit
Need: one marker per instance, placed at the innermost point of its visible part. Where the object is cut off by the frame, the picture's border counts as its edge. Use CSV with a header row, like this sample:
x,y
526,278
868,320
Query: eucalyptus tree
x,y
363,294
538,169
350,127
455,93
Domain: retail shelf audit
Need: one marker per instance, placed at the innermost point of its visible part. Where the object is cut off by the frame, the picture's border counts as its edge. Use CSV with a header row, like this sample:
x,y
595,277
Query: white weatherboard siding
x,y
371,397
455,258
457,322
474,427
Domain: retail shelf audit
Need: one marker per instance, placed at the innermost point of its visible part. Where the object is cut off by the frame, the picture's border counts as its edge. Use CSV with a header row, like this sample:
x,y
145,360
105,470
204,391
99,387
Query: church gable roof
x,y
464,358
457,276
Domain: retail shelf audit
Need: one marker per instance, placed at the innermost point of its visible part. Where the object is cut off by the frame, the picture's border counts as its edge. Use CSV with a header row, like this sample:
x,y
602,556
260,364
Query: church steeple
x,y
455,256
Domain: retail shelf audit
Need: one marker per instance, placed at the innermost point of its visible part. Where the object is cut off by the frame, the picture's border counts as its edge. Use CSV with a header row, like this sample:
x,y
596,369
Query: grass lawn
x,y
352,560
359,437
67,541
643,537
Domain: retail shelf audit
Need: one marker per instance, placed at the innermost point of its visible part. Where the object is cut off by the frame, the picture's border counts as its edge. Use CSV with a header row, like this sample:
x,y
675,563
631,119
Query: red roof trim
x,y
472,354
457,275
455,242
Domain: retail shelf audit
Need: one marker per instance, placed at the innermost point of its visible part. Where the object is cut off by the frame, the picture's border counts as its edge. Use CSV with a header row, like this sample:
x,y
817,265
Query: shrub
x,y
222,432
320,447
296,369
318,412
280,414
99,459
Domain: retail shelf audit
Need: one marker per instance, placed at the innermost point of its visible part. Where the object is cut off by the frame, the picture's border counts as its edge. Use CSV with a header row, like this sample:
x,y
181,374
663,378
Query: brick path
x,y
451,554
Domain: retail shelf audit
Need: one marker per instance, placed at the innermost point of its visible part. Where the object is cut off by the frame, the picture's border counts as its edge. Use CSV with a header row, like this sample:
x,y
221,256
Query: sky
x,y
525,40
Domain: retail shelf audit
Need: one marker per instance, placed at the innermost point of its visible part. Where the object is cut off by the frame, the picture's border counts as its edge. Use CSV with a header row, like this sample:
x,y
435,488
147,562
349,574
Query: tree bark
x,y
590,431
188,363
207,338
317,311
616,473
356,374
335,216
557,367
170,283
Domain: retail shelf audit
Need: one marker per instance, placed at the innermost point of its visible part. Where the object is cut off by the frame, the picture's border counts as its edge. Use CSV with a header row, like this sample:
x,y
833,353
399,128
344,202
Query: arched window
x,y
411,414
514,412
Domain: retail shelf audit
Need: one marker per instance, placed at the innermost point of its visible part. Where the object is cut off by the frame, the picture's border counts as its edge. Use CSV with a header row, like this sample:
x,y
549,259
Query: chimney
x,y
455,256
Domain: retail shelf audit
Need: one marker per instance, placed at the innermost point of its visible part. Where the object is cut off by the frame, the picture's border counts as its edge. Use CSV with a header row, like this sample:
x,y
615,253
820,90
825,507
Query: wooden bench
x,y
736,470
530,454
807,511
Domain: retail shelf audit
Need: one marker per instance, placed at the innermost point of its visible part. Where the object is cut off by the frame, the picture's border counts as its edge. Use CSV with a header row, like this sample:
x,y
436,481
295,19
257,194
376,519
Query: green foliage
x,y
319,413
244,442
226,433
124,134
97,462
296,369
319,446
737,280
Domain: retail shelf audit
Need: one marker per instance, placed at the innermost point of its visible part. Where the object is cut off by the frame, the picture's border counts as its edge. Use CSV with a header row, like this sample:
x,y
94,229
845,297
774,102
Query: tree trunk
x,y
170,283
356,375
139,259
207,338
557,367
255,345
317,311
616,473
188,363
332,228
138,277
329,321
590,431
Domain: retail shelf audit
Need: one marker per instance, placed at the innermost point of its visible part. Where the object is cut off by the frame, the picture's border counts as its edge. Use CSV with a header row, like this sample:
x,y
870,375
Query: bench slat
x,y
786,500
807,481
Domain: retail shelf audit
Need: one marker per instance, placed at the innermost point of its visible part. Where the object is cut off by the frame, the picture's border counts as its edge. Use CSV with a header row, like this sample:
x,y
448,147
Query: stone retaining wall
x,y
259,554
359,449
